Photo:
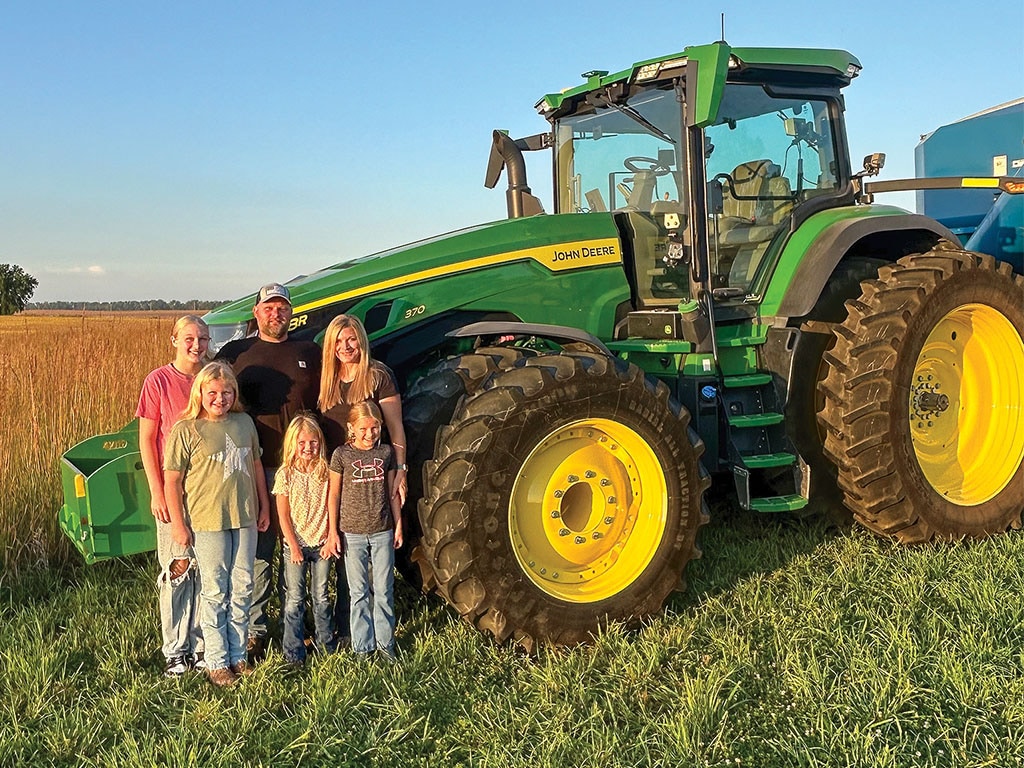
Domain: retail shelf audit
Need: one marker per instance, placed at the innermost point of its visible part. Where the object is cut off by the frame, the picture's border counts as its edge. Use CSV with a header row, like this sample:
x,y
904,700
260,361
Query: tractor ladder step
x,y
788,503
756,420
746,380
766,470
767,460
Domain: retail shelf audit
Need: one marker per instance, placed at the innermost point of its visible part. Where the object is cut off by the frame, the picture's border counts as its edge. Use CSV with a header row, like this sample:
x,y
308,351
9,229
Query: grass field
x,y
795,645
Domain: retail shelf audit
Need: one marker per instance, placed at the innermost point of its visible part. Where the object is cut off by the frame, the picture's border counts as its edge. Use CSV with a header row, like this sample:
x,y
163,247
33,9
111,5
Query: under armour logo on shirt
x,y
368,470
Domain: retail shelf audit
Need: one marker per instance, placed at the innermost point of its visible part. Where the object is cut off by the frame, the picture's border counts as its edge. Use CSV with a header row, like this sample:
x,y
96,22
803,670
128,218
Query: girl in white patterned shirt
x,y
301,488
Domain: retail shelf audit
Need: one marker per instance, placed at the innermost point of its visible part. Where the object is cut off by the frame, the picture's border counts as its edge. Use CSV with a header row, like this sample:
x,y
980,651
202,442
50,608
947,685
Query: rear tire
x,y
427,407
805,399
566,494
924,398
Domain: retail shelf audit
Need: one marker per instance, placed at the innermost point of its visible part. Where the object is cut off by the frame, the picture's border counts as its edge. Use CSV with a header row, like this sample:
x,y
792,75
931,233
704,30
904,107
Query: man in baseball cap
x,y
277,378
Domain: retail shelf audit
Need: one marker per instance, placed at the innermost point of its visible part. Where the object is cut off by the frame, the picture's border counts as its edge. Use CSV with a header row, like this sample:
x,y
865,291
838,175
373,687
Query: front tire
x,y
924,398
565,495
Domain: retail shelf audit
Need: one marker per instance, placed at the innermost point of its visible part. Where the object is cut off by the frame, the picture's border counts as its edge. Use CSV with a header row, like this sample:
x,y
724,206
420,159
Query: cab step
x,y
764,463
767,460
755,420
788,503
746,380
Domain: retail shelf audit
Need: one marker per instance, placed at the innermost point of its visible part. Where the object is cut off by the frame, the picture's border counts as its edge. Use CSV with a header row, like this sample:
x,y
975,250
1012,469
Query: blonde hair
x,y
184,320
303,422
362,385
362,410
211,372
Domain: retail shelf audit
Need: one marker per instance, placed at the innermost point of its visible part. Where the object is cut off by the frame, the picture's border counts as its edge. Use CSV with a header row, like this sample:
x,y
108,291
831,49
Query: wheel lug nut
x,y
611,499
609,520
558,494
590,473
574,478
563,531
605,482
579,540
597,535
555,514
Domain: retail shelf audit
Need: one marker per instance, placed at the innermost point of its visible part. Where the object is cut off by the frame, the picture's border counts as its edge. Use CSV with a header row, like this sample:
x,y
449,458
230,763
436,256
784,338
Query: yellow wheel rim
x,y
966,414
588,510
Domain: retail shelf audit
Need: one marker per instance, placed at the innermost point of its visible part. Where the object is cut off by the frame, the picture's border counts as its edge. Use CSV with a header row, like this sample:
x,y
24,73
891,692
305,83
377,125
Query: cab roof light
x,y
651,71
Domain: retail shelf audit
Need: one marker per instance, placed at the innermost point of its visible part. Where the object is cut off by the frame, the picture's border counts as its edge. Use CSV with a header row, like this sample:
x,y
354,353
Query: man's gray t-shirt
x,y
365,507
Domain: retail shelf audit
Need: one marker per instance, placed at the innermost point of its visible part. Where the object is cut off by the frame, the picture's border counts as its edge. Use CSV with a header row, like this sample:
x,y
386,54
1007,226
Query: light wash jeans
x,y
179,598
225,560
293,635
370,568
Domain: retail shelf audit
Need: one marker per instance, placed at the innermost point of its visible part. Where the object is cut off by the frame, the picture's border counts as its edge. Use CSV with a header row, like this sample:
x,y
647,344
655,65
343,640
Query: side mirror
x,y
874,163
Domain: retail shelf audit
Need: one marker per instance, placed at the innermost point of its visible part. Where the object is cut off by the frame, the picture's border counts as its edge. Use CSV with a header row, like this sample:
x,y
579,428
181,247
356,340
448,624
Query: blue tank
x,y
989,143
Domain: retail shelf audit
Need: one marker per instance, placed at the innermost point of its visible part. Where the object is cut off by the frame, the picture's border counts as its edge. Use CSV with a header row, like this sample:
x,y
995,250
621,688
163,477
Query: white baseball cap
x,y
273,291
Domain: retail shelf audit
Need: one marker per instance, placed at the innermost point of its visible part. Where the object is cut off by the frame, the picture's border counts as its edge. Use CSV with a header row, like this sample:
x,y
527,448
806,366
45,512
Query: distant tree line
x,y
145,305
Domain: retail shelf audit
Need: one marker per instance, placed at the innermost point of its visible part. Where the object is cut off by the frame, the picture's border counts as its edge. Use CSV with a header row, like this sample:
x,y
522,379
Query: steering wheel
x,y
652,165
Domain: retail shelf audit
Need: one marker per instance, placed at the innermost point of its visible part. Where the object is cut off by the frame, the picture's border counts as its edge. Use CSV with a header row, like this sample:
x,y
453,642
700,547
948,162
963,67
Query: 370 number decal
x,y
413,311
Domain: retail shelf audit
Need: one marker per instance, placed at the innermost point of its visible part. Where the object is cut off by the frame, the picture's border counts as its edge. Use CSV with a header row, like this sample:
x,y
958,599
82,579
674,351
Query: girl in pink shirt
x,y
164,396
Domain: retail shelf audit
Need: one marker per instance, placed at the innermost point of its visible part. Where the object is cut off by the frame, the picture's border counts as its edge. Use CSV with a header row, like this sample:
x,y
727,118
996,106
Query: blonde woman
x,y
349,375
163,398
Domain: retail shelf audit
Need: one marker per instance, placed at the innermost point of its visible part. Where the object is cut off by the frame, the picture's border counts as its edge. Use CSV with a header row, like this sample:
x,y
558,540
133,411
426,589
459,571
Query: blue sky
x,y
185,149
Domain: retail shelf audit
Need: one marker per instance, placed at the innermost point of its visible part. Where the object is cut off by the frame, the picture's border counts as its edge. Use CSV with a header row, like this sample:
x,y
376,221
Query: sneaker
x,y
241,668
222,677
176,665
257,649
198,661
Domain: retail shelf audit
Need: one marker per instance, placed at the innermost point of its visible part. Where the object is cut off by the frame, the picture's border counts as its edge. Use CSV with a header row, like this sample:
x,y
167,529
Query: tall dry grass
x,y
65,378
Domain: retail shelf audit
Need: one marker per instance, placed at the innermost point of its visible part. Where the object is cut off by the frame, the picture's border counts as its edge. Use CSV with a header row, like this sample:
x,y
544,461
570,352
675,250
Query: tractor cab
x,y
706,160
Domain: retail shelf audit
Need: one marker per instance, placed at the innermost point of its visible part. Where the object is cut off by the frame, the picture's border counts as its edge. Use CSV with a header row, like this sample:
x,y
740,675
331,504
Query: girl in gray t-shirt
x,y
368,514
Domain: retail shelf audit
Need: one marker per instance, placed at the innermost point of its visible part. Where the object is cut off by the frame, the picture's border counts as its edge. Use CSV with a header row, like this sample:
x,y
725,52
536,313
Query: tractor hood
x,y
549,244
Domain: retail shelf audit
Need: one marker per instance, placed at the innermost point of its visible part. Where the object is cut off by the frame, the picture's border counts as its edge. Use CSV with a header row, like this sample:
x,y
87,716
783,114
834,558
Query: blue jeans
x,y
370,568
179,597
225,560
293,635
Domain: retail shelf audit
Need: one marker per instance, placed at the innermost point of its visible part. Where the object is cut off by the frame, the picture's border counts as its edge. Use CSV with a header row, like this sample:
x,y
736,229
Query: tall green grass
x,y
796,644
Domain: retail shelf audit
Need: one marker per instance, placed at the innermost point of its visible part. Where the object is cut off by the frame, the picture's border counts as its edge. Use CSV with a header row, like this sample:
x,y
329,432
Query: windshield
x,y
766,154
610,159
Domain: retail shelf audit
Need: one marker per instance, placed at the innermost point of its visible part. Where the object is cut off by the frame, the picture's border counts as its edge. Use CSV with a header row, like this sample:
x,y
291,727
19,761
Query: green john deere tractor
x,y
714,295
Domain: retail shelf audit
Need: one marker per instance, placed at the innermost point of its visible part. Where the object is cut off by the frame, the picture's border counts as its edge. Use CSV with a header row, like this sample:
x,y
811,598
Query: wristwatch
x,y
403,466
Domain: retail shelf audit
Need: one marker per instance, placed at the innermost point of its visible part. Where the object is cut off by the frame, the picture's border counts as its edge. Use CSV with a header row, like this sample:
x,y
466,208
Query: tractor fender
x,y
840,238
559,333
